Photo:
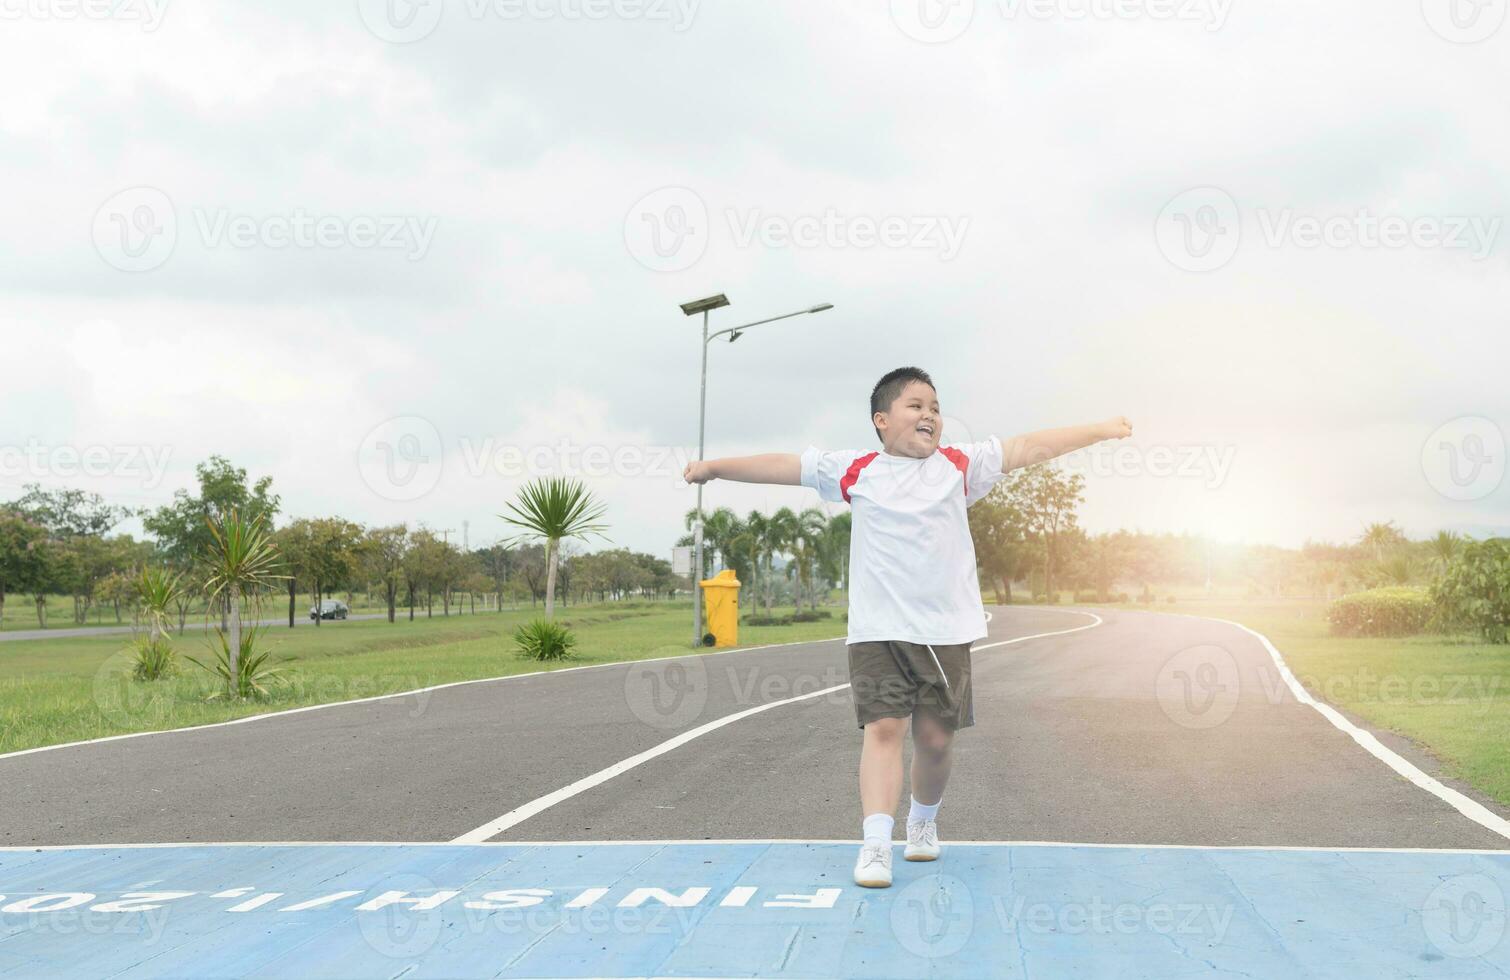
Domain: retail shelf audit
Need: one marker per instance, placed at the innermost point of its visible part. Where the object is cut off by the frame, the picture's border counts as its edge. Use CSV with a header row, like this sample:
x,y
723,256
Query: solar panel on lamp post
x,y
705,306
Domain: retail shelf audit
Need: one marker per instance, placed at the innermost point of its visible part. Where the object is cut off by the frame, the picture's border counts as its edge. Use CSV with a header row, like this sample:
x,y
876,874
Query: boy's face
x,y
913,426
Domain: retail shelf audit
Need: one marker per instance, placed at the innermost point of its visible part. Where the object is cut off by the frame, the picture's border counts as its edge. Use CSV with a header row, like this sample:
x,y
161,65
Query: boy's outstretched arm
x,y
785,468
1035,447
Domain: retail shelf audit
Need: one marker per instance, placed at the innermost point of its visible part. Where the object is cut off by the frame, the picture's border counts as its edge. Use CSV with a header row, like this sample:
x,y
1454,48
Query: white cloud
x,y
528,141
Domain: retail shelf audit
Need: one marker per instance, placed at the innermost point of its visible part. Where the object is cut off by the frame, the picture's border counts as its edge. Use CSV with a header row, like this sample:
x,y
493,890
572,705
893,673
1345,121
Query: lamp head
x,y
704,305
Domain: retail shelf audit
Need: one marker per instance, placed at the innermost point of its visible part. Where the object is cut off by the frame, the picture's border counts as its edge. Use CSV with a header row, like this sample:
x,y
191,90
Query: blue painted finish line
x,y
746,909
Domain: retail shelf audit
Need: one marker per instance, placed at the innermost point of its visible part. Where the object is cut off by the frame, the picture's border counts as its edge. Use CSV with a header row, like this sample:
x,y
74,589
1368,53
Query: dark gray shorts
x,y
894,678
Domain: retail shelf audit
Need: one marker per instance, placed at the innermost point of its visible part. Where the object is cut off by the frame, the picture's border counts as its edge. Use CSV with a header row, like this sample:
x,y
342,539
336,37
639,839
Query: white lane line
x,y
1500,852
495,827
1035,636
1468,807
400,694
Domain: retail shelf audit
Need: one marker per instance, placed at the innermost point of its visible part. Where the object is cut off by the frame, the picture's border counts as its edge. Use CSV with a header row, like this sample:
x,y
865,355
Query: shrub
x,y
1123,597
1145,597
1391,611
155,660
811,617
1474,591
544,639
1169,598
1087,597
768,620
252,672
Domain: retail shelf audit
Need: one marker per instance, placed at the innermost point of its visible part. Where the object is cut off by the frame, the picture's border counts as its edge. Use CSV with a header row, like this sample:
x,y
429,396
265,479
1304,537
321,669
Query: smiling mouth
x,y
926,430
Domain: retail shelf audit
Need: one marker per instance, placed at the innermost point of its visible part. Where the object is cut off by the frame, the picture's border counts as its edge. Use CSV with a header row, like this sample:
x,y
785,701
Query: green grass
x,y
1447,693
64,690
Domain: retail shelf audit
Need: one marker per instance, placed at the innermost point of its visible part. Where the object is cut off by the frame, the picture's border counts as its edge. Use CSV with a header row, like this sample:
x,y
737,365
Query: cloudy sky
x,y
403,256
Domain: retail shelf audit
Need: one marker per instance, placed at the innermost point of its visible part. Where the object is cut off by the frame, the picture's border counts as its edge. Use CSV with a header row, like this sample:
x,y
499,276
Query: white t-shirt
x,y
911,559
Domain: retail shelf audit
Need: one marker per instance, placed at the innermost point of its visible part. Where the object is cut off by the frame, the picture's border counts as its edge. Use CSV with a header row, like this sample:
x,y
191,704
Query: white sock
x,y
877,828
921,811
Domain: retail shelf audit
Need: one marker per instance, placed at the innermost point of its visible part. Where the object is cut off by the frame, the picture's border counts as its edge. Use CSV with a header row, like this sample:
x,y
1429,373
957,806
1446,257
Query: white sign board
x,y
681,560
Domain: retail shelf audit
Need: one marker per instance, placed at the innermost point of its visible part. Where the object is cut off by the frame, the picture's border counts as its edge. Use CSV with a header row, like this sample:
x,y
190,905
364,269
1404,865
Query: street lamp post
x,y
705,306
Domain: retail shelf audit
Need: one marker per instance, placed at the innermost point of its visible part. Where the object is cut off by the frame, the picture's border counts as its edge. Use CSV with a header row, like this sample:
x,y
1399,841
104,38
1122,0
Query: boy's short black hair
x,y
890,387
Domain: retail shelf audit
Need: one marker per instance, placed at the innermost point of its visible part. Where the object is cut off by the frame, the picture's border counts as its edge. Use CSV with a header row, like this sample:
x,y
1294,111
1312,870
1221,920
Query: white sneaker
x,y
873,869
922,841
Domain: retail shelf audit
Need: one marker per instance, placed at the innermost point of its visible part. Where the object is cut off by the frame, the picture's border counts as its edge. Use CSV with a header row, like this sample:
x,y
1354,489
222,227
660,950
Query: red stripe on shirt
x,y
962,463
853,474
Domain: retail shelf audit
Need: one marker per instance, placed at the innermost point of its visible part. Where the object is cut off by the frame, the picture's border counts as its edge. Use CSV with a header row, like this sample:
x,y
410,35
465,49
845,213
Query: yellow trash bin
x,y
721,608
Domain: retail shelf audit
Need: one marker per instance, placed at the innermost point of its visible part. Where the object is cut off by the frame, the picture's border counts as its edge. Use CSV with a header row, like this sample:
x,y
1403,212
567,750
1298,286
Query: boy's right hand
x,y
698,471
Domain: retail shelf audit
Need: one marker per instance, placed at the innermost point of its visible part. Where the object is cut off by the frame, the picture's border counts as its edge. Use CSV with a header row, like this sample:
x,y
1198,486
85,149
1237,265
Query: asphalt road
x,y
1147,729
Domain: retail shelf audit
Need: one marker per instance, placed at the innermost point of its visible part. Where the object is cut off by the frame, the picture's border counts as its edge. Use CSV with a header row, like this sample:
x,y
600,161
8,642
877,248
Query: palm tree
x,y
1381,538
783,535
1444,548
757,530
720,528
740,552
772,541
554,508
159,590
806,542
240,562
840,527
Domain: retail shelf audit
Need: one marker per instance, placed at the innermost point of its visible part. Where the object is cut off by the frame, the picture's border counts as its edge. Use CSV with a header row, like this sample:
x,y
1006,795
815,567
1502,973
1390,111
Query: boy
x,y
914,602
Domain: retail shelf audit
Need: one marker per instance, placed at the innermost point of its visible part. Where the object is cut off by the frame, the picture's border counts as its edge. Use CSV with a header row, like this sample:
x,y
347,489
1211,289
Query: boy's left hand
x,y
1117,427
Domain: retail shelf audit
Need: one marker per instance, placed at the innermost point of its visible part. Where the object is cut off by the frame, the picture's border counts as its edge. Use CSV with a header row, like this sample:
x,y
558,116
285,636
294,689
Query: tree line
x,y
1027,533
58,542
